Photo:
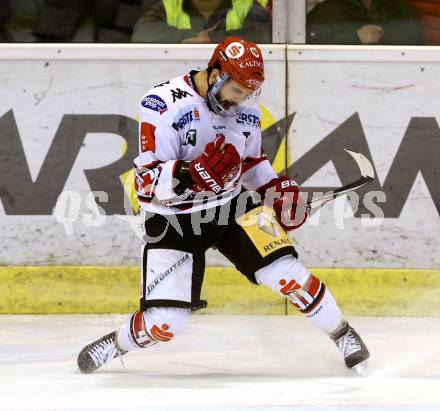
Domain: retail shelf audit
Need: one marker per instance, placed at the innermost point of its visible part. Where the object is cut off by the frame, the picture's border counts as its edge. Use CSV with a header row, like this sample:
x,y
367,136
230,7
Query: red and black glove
x,y
218,165
290,208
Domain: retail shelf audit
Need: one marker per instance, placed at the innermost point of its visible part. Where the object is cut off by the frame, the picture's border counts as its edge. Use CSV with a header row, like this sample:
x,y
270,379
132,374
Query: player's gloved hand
x,y
146,178
218,165
290,208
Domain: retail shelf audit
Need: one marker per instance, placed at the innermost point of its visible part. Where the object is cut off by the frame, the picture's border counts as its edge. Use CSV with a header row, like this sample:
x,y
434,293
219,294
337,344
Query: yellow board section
x,y
267,119
128,182
279,162
84,289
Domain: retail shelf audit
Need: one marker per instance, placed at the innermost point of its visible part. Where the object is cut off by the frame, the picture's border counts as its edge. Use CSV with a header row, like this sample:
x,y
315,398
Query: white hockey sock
x,y
326,315
146,328
123,339
288,277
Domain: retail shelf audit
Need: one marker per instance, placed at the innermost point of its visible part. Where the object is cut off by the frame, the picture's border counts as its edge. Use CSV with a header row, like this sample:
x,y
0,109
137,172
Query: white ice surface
x,y
220,363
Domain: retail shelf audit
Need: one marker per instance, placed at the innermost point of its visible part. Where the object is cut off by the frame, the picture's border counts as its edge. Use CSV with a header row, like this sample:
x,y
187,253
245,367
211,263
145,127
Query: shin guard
x,y
139,335
316,302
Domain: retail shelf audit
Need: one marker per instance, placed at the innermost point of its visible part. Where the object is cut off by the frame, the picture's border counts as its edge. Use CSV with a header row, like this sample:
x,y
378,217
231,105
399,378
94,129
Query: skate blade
x,y
361,368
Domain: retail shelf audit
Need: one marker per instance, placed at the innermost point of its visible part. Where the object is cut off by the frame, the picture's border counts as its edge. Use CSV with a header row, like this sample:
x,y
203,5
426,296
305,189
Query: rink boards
x,y
85,289
68,134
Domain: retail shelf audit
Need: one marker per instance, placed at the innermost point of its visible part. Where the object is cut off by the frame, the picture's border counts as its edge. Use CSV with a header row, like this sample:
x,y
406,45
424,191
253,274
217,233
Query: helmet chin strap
x,y
213,103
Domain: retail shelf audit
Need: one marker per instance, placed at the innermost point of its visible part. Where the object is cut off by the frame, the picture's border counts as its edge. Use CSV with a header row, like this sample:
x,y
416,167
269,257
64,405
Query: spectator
x,y
114,20
102,21
428,12
54,21
5,14
59,20
24,17
203,21
267,4
312,3
363,22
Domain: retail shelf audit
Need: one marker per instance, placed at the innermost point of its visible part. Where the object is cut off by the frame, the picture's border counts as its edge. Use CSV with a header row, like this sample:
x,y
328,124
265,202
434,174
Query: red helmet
x,y
241,60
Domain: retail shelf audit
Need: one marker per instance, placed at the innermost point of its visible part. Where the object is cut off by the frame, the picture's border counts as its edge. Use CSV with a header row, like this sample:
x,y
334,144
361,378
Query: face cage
x,y
215,105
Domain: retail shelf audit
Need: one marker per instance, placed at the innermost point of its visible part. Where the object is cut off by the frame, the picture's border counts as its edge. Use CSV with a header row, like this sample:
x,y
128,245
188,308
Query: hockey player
x,y
203,181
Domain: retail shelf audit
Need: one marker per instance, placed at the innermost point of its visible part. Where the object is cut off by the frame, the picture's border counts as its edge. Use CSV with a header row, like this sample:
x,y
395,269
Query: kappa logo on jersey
x,y
190,137
251,119
148,138
235,50
196,114
178,94
154,103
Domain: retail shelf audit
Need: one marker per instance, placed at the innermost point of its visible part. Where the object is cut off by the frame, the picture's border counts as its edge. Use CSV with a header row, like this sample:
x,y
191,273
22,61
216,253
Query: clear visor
x,y
227,97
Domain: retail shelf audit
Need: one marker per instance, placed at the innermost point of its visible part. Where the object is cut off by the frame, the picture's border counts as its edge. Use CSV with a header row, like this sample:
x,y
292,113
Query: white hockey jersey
x,y
176,124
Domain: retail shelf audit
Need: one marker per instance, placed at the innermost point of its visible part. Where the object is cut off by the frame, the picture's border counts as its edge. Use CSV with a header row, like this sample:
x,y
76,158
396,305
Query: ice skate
x,y
98,353
352,348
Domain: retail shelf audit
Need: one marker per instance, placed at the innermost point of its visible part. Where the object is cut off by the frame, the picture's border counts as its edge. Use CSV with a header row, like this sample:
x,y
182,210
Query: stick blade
x,y
365,166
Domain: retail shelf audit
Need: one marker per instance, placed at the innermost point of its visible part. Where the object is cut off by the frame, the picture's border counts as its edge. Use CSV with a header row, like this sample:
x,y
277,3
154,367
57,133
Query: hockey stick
x,y
367,175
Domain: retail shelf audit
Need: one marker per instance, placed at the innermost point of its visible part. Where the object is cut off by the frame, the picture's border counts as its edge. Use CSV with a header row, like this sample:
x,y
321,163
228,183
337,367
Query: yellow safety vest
x,y
235,17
